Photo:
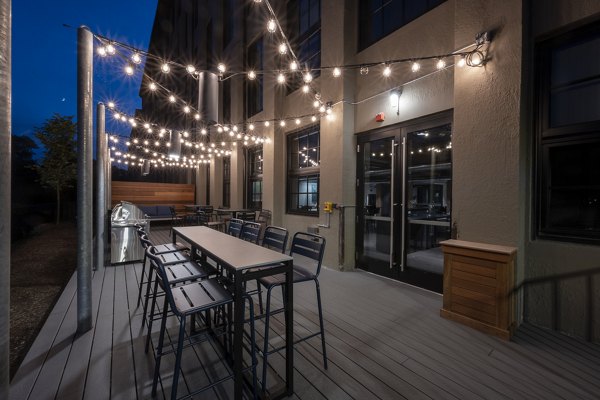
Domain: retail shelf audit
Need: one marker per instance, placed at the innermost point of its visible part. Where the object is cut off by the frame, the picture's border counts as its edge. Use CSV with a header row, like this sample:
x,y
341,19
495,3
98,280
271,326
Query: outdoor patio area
x,y
385,340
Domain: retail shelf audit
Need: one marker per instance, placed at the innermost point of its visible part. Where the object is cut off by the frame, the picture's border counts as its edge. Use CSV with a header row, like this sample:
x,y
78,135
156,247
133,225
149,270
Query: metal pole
x,y
84,179
108,167
5,210
100,192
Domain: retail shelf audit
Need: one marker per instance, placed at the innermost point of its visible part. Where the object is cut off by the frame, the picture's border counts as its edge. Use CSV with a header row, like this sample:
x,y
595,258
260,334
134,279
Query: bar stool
x,y
250,232
235,227
191,300
307,250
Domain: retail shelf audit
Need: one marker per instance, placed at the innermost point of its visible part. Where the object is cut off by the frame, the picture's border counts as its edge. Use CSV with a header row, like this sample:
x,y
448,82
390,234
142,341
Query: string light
x,y
415,67
190,69
101,51
271,26
283,48
165,68
337,72
172,99
307,77
129,70
387,71
152,86
461,62
110,49
221,67
135,57
440,64
280,78
305,88
293,65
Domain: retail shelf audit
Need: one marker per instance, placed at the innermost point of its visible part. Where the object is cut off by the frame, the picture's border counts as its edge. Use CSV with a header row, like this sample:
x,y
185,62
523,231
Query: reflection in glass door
x,y
404,195
429,198
376,215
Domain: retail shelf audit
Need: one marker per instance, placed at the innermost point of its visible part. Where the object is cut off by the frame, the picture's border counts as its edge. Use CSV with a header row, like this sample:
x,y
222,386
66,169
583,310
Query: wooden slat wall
x,y
151,193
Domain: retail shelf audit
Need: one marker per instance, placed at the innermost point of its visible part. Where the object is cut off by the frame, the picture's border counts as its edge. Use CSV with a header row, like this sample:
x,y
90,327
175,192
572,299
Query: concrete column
x,y
100,194
237,177
5,209
85,49
216,182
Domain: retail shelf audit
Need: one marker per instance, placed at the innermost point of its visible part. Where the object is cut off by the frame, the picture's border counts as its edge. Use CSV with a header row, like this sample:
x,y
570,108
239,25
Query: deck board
x,y
385,340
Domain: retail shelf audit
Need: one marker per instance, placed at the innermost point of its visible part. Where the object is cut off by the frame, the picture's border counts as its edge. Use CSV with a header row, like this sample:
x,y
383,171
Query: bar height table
x,y
238,256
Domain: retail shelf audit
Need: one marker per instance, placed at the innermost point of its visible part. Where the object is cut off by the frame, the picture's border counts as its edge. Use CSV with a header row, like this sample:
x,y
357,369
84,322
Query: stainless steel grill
x,y
124,243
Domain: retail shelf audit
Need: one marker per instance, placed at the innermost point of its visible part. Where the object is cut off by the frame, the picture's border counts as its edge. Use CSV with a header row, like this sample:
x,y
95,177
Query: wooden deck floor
x,y
385,340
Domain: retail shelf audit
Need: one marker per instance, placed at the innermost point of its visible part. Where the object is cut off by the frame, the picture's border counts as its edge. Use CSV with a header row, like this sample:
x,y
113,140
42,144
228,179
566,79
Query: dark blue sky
x,y
45,55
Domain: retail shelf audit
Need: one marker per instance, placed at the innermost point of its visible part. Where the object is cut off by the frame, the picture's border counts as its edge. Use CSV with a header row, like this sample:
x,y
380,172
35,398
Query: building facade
x,y
500,153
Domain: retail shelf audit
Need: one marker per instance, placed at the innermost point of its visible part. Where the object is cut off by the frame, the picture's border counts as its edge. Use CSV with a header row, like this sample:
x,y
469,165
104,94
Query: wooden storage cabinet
x,y
478,284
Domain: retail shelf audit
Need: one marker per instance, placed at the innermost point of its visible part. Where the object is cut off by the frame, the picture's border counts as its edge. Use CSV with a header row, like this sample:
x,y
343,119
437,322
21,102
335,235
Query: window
x,y
304,20
254,88
379,18
568,139
226,181
228,7
227,101
255,174
303,171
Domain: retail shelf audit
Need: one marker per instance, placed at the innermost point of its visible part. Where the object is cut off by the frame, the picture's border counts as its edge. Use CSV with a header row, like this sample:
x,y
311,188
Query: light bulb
x,y
297,121
117,116
271,25
129,70
415,66
235,128
387,71
110,49
101,51
220,129
267,123
280,78
231,133
172,99
186,109
322,109
222,143
313,118
111,104
283,48
165,68
461,62
337,72
251,75
157,143
221,67
146,125
186,134
307,77
197,117
135,57
203,131
239,136
440,64
190,69
316,103
282,123
305,88
152,86
294,65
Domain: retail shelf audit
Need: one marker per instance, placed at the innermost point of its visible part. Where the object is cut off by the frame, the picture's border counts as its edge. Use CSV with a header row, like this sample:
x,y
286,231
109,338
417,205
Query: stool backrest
x,y
246,215
157,265
250,232
275,238
308,250
235,226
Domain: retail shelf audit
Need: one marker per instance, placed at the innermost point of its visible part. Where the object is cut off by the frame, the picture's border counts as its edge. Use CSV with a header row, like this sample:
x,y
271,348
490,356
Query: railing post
x,y
100,193
84,179
5,206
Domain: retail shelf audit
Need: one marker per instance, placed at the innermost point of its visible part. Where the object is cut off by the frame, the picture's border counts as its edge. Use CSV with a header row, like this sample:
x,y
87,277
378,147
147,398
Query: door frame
x,y
399,132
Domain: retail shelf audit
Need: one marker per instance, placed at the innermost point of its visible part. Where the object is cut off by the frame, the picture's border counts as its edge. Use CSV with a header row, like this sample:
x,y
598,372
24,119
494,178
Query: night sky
x,y
44,79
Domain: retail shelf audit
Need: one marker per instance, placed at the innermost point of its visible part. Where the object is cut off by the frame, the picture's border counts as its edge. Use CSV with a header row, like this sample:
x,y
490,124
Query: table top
x,y
236,253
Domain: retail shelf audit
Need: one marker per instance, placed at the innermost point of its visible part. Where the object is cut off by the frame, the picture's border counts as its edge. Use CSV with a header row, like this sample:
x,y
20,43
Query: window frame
x,y
548,137
294,173
299,38
253,176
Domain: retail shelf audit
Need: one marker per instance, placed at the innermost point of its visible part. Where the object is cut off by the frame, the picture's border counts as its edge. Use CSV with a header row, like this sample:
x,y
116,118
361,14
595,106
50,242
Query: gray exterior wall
x,y
492,141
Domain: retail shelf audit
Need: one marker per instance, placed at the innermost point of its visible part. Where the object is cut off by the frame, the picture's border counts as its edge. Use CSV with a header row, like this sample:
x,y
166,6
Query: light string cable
x,y
156,86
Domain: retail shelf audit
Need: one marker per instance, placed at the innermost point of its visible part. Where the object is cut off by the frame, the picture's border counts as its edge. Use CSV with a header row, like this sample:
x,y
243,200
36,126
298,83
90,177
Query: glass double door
x,y
404,194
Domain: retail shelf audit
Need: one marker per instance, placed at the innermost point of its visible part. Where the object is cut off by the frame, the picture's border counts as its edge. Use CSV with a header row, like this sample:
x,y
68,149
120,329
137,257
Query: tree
x,y
58,166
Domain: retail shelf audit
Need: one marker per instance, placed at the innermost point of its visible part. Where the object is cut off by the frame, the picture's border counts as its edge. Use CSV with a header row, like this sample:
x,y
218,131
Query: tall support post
x,y
5,157
100,192
85,179
108,166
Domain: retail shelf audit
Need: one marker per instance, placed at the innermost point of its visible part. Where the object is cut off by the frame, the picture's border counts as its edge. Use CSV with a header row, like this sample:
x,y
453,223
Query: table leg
x,y
289,330
238,330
